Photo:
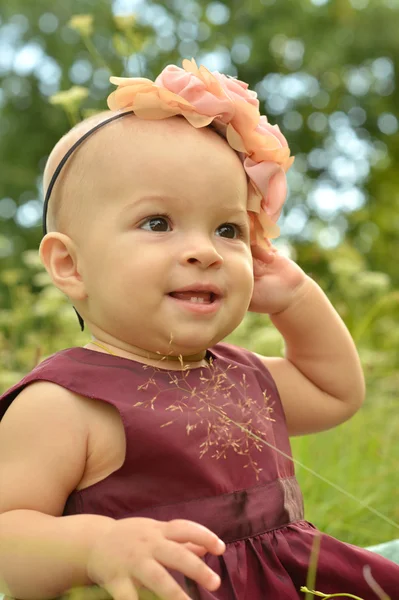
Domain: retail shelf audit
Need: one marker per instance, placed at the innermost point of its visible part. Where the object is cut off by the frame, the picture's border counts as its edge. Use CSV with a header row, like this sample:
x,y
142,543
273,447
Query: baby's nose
x,y
203,254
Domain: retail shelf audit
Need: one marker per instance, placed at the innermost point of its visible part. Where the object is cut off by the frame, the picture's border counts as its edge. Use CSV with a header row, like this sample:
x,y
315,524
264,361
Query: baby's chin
x,y
193,345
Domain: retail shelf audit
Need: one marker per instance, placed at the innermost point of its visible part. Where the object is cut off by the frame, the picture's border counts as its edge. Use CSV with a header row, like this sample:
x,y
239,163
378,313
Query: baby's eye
x,y
158,223
230,230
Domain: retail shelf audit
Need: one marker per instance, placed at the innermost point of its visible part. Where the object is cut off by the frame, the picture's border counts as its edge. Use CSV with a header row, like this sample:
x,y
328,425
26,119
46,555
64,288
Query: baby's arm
x,y
43,443
43,452
320,379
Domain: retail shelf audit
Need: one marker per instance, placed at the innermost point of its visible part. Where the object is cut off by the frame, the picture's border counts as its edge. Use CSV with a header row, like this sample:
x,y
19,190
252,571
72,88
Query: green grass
x,y
362,457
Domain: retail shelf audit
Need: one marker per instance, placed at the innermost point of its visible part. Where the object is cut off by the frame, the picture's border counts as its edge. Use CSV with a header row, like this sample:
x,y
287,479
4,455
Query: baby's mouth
x,y
195,297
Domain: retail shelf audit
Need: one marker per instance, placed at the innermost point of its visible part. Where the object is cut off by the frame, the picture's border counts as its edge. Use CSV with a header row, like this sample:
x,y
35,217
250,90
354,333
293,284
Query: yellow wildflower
x,y
83,24
70,99
124,22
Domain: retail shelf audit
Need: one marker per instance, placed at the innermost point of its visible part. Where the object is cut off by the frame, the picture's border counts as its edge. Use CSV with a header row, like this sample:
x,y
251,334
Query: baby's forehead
x,y
128,135
152,150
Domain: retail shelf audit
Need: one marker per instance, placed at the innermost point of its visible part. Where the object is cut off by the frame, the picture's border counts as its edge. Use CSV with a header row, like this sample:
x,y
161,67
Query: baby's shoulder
x,y
240,357
43,443
46,405
46,411
42,400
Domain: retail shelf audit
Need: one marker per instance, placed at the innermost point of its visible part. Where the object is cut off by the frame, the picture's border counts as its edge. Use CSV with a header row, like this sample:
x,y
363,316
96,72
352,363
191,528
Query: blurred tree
x,y
324,70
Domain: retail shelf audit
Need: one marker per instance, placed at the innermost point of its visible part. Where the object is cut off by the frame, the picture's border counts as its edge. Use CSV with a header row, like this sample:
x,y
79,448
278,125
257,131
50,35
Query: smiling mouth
x,y
195,297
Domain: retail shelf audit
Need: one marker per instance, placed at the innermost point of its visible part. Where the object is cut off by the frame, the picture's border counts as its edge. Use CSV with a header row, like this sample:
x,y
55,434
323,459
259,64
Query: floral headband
x,y
204,98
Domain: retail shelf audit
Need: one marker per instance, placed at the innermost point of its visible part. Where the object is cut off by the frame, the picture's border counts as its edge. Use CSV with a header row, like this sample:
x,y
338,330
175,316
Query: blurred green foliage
x,y
326,72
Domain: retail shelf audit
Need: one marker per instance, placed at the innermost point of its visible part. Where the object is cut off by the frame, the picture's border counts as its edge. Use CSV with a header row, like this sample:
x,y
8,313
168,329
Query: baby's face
x,y
165,256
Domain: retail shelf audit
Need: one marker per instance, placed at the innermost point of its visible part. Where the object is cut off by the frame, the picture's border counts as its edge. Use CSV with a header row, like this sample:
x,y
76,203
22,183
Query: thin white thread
x,y
309,470
322,478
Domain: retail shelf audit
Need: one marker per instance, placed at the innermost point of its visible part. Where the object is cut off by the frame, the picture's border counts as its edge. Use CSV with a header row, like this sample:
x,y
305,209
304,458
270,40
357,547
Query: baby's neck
x,y
146,357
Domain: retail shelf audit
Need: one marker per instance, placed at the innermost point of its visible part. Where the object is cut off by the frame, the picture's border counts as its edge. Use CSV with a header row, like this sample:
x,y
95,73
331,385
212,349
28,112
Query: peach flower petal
x,y
124,81
254,198
205,76
237,90
234,139
263,174
268,225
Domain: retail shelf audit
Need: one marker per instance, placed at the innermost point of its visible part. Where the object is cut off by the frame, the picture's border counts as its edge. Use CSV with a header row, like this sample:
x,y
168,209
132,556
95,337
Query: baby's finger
x,y
266,256
259,268
183,531
174,556
154,577
122,589
198,550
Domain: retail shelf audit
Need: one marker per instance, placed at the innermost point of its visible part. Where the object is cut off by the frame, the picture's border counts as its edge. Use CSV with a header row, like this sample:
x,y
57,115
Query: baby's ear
x,y
59,256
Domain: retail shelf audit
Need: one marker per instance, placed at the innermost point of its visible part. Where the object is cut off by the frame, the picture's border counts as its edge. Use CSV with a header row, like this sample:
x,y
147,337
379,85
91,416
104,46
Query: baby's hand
x,y
277,281
136,552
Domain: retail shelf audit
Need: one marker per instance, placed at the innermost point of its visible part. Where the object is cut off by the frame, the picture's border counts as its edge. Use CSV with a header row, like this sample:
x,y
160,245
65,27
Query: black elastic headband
x,y
58,171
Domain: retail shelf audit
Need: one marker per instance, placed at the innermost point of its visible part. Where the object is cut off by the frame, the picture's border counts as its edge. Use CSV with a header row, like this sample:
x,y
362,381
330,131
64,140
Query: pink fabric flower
x,y
205,98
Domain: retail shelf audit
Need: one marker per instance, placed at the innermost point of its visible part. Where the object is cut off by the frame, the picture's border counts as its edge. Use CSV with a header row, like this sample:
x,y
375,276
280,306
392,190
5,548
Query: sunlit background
x,y
328,181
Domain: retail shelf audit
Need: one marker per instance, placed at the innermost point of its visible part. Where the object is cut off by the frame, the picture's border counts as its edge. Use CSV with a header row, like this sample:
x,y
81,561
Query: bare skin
x,y
65,207
194,229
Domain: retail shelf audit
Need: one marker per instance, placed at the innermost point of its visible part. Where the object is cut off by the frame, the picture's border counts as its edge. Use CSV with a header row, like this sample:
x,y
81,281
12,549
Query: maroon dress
x,y
189,456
